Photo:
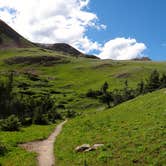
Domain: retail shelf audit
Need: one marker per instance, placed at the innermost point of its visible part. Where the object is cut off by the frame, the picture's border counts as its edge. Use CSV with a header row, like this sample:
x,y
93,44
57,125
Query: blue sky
x,y
143,20
110,29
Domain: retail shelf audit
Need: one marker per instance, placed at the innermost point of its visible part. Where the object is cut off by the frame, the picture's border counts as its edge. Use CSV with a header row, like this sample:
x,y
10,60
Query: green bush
x,y
3,149
71,114
1,121
12,123
41,119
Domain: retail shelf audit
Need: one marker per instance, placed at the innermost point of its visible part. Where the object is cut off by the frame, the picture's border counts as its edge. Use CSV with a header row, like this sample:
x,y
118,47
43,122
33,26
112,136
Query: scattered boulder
x,y
96,146
82,148
88,148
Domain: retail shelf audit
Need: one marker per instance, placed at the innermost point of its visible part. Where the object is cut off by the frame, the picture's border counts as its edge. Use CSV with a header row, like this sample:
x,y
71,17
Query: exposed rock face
x,y
9,38
91,56
67,49
62,47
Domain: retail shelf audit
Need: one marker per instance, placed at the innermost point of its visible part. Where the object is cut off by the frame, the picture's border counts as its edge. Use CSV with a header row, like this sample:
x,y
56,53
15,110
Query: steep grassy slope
x,y
133,134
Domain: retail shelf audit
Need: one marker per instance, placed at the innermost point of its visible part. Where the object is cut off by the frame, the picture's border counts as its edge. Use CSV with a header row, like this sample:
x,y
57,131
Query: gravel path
x,y
45,148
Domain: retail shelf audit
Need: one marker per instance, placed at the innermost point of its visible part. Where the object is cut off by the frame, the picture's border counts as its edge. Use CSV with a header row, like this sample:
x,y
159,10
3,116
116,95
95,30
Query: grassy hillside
x,y
133,133
38,71
68,78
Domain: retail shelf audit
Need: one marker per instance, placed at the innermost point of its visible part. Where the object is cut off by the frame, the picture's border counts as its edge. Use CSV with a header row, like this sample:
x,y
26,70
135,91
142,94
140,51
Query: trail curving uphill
x,y
45,148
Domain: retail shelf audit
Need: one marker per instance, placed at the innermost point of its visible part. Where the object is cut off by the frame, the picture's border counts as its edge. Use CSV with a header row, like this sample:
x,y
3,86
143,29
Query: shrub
x,y
40,118
93,93
115,97
153,82
71,114
11,124
163,81
3,149
107,98
104,87
53,115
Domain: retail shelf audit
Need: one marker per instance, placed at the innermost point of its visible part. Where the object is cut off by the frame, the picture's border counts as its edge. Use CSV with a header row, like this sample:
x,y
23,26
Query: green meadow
x,y
133,133
15,155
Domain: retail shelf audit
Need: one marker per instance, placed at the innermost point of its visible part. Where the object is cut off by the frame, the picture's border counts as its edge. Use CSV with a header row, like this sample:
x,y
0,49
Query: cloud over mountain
x,y
122,49
55,21
51,21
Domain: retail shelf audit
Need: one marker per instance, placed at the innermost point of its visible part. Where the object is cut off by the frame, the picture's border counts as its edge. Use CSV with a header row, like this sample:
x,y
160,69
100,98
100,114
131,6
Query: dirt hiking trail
x,y
45,148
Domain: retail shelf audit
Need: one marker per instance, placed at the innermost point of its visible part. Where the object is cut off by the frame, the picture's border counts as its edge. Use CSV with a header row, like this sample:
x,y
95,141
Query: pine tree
x,y
105,87
153,82
107,98
117,97
163,81
140,88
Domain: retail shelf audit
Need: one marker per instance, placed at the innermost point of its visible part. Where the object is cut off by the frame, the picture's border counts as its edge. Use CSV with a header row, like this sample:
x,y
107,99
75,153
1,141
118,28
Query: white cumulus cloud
x,y
51,21
122,49
54,21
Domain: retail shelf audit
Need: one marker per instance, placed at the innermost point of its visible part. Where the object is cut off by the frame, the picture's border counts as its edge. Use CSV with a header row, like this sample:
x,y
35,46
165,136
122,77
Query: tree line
x,y
112,98
19,109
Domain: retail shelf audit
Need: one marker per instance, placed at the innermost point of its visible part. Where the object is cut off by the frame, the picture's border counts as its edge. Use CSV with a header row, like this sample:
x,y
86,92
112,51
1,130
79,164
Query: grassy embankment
x,y
15,155
133,133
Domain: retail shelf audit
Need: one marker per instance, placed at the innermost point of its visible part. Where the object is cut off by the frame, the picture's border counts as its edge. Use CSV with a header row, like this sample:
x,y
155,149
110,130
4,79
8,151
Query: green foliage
x,y
40,118
3,149
93,93
10,124
29,110
140,88
71,114
153,81
105,87
163,81
45,111
115,97
106,98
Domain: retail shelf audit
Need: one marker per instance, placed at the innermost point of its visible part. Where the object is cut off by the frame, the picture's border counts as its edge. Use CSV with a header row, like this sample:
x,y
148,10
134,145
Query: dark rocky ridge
x,y
9,38
142,59
62,47
66,49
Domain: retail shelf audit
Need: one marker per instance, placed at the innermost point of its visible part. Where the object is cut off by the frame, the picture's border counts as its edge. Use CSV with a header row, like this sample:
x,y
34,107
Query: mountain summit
x,y
9,38
62,47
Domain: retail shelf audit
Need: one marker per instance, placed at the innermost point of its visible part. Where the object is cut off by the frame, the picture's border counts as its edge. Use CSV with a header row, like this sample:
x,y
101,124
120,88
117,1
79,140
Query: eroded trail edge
x,y
45,148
